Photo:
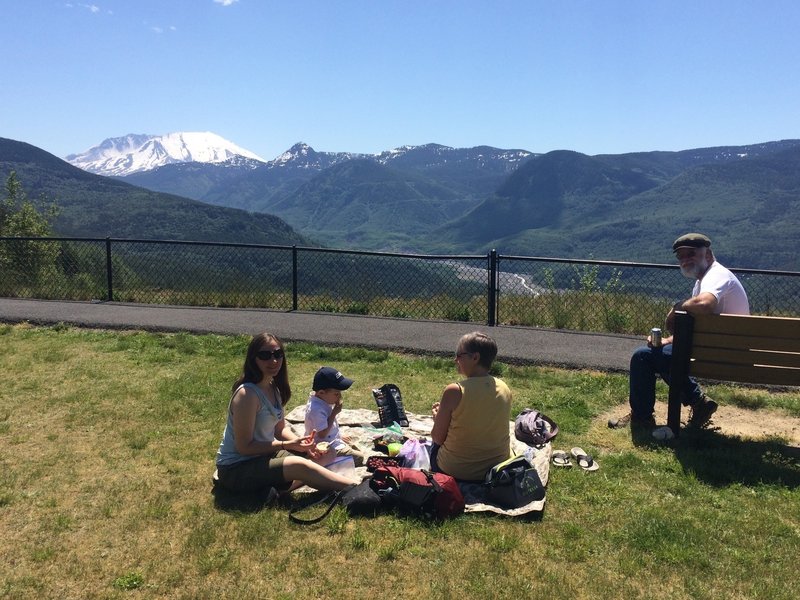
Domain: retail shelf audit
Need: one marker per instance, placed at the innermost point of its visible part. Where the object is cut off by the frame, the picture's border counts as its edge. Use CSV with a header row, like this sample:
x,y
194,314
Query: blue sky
x,y
365,76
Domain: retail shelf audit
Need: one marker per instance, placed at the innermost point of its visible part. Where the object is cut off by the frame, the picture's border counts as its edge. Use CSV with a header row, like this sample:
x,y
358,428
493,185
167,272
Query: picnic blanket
x,y
359,425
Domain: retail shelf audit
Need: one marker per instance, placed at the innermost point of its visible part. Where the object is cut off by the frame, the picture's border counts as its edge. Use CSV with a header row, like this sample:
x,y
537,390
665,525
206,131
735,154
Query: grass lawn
x,y
108,446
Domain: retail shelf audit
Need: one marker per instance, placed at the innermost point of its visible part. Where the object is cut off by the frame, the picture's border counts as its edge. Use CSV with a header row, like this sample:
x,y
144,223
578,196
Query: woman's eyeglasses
x,y
269,354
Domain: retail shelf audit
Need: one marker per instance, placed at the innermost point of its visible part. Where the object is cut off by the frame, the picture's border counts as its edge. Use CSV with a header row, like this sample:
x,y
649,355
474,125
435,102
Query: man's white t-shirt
x,y
730,295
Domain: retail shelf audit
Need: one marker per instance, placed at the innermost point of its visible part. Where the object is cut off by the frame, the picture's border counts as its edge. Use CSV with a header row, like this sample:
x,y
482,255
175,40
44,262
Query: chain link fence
x,y
189,274
452,288
491,289
618,297
53,268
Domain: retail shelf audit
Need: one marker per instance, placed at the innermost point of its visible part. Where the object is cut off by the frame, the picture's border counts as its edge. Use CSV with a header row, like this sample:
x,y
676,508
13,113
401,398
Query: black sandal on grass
x,y
585,461
561,459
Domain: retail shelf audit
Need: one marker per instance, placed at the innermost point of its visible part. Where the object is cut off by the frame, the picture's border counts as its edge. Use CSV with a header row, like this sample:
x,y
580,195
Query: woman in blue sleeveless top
x,y
258,448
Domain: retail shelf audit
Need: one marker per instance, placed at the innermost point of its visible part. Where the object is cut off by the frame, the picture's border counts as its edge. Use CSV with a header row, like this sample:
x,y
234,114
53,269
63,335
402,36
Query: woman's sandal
x,y
585,461
561,459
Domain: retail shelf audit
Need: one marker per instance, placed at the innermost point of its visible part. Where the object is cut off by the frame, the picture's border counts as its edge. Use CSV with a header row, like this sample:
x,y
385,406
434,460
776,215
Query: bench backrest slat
x,y
759,342
744,357
746,349
772,327
747,373
740,348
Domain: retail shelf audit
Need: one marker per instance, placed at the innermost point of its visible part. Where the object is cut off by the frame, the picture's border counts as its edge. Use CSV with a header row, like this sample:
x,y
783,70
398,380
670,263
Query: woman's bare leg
x,y
311,474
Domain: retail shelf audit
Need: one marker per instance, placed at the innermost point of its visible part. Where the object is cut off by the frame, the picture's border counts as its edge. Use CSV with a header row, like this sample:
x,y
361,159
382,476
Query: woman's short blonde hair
x,y
479,342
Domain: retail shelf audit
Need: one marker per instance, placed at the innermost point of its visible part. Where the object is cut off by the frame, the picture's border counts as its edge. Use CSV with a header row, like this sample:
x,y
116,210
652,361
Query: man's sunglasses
x,y
269,354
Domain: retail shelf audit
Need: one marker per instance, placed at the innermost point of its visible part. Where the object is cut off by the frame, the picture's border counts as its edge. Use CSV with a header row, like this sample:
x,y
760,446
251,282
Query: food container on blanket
x,y
382,441
394,448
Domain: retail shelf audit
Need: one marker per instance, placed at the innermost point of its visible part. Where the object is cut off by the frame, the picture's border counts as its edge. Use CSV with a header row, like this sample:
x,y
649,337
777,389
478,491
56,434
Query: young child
x,y
324,403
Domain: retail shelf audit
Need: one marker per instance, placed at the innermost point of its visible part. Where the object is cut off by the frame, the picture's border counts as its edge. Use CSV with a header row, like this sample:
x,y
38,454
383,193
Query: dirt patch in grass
x,y
731,420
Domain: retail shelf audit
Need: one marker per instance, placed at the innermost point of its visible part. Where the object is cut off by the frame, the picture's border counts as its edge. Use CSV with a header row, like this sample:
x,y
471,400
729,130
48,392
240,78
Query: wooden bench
x,y
738,348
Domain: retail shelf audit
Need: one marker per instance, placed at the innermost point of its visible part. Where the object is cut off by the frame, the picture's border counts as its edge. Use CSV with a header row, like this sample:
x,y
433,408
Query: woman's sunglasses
x,y
269,354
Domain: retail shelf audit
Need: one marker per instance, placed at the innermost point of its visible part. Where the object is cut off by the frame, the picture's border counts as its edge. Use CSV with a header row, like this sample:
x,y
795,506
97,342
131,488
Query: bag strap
x,y
333,499
553,427
432,480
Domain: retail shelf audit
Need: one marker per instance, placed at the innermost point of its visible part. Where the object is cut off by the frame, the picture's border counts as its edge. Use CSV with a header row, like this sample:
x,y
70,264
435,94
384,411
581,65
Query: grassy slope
x,y
109,441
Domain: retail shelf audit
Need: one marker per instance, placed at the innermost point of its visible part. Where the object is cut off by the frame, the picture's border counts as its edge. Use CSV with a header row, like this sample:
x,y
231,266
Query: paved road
x,y
516,344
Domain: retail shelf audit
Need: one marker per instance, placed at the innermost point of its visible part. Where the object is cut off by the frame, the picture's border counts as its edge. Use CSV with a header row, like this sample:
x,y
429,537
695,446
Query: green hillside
x,y
553,191
571,205
252,189
362,204
471,172
94,206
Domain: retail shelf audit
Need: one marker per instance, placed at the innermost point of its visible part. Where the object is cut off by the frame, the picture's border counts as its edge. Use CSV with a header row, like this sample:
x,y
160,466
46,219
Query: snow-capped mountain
x,y
132,153
436,155
303,156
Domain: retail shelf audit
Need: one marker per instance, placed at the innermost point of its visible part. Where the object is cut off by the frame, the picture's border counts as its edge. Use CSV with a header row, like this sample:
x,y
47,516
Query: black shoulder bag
x,y
358,499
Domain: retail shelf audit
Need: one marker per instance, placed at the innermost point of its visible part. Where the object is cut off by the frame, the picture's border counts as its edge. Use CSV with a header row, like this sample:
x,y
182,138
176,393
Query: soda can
x,y
655,337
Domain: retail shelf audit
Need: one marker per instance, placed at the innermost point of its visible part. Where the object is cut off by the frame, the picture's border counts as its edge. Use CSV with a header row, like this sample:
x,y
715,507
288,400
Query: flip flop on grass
x,y
561,459
585,461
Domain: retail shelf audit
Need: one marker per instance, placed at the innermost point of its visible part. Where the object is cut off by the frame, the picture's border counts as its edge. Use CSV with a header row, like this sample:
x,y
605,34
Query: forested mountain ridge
x,y
470,172
578,206
95,206
560,203
362,204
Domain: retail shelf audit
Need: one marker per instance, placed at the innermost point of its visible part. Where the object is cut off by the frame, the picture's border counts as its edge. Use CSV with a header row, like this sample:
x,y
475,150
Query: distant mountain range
x,y
433,198
373,201
95,206
137,153
437,199
631,206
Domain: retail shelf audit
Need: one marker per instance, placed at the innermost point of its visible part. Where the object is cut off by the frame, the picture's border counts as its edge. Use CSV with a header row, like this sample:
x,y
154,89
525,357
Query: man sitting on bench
x,y
716,291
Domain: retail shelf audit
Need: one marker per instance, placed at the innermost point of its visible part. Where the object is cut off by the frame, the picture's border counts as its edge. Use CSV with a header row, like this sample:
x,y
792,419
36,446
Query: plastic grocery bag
x,y
393,429
343,465
416,454
386,436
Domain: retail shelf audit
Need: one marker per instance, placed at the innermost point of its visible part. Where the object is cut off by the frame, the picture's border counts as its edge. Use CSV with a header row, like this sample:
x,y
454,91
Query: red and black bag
x,y
418,492
409,491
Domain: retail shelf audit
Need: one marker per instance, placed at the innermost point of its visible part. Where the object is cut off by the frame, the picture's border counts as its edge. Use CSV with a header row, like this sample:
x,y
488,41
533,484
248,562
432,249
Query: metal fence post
x,y
294,277
492,299
109,277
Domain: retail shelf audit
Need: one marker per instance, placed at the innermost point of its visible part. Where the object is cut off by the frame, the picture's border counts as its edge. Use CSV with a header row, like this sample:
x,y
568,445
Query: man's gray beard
x,y
694,272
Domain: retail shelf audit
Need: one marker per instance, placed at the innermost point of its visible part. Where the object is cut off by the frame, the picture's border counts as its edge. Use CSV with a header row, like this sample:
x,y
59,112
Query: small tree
x,y
24,262
19,217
